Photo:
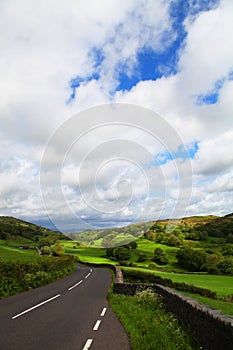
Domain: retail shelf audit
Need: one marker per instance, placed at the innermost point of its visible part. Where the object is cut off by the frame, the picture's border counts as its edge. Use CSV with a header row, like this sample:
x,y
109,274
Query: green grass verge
x,y
148,324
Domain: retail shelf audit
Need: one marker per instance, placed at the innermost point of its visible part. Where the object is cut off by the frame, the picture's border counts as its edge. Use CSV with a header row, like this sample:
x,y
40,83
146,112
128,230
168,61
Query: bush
x,y
160,257
121,254
148,298
46,250
18,276
141,257
192,259
226,266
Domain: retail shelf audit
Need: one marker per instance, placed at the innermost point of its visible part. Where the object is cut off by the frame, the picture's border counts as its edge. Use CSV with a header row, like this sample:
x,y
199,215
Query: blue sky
x,y
151,64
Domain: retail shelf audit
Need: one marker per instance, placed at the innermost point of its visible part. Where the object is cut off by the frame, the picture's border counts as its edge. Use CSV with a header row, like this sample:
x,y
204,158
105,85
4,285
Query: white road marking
x,y
88,344
75,285
87,275
96,326
36,306
103,311
91,270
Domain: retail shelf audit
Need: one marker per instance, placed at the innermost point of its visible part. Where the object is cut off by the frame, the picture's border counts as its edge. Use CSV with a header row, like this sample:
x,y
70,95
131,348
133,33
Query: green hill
x,y
194,228
11,227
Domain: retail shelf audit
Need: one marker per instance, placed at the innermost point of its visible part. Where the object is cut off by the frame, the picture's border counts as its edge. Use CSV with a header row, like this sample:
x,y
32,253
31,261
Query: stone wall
x,y
213,330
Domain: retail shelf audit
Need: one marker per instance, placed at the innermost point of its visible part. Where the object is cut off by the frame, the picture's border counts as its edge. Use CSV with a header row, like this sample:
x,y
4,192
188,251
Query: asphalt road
x,y
72,313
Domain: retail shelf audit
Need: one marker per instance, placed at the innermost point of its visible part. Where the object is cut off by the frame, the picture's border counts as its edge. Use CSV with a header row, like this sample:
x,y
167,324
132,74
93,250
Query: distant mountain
x,y
112,236
124,235
10,226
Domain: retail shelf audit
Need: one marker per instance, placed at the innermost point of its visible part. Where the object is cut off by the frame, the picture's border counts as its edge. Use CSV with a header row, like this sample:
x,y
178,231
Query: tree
x,y
160,257
192,259
141,257
227,250
230,238
47,241
57,249
46,250
226,266
173,240
121,254
109,253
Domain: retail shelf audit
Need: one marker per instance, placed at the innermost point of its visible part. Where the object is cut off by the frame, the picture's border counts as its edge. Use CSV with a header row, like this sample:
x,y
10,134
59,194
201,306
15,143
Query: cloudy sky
x,y
115,111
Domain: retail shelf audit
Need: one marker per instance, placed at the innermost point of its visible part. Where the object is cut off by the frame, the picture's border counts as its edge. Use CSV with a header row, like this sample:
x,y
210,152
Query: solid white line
x,y
34,307
87,275
103,311
97,325
75,285
88,344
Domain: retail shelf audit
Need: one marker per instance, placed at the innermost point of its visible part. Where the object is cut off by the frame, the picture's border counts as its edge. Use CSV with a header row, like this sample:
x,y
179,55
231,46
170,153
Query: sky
x,y
115,111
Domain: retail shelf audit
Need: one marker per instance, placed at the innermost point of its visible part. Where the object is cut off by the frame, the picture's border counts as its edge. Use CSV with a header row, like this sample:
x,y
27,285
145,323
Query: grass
x,y
223,306
148,324
8,253
222,285
86,253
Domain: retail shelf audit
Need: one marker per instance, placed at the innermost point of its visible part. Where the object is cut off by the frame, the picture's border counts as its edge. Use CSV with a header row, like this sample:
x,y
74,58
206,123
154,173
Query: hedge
x,y
18,276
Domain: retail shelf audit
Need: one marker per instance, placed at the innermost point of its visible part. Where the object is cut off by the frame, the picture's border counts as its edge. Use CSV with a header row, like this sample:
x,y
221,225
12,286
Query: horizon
x,y
52,227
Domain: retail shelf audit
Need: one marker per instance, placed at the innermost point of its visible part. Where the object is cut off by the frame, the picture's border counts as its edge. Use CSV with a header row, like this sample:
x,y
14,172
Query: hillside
x,y
13,227
112,236
194,227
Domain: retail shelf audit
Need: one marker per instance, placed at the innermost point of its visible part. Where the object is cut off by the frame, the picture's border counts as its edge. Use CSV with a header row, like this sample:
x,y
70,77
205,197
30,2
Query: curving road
x,y
72,313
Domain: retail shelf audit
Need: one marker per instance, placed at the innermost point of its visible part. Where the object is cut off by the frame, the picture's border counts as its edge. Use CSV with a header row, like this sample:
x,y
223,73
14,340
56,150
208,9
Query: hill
x,y
11,227
193,227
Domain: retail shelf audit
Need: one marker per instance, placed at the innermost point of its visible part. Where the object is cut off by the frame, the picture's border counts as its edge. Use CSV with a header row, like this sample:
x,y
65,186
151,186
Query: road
x,y
72,313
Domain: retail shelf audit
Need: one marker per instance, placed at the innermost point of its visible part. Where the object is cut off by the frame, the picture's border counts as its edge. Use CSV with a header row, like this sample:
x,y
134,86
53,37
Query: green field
x,y
222,285
86,253
11,252
17,233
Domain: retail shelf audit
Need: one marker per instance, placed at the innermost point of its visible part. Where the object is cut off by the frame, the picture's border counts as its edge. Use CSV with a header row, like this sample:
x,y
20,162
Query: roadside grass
x,y
148,324
222,285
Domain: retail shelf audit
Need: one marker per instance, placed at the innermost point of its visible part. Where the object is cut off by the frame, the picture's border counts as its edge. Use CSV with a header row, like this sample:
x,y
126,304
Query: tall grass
x,y
148,324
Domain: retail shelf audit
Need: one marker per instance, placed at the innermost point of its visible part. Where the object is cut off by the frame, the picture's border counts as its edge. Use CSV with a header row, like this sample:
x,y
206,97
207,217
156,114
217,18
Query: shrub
x,y
19,276
226,266
160,257
141,257
148,298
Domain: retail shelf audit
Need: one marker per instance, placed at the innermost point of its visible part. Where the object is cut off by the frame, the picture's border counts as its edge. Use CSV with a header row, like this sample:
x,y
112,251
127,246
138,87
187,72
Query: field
x,y
212,240
86,253
10,251
223,285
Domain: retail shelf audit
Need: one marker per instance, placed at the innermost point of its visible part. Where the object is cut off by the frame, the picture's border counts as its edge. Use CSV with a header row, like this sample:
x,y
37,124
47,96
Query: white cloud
x,y
43,46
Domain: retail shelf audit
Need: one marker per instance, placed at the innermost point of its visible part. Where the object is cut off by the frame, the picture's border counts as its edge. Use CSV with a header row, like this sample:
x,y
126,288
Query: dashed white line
x,y
36,306
96,326
91,270
88,344
103,312
87,275
75,285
